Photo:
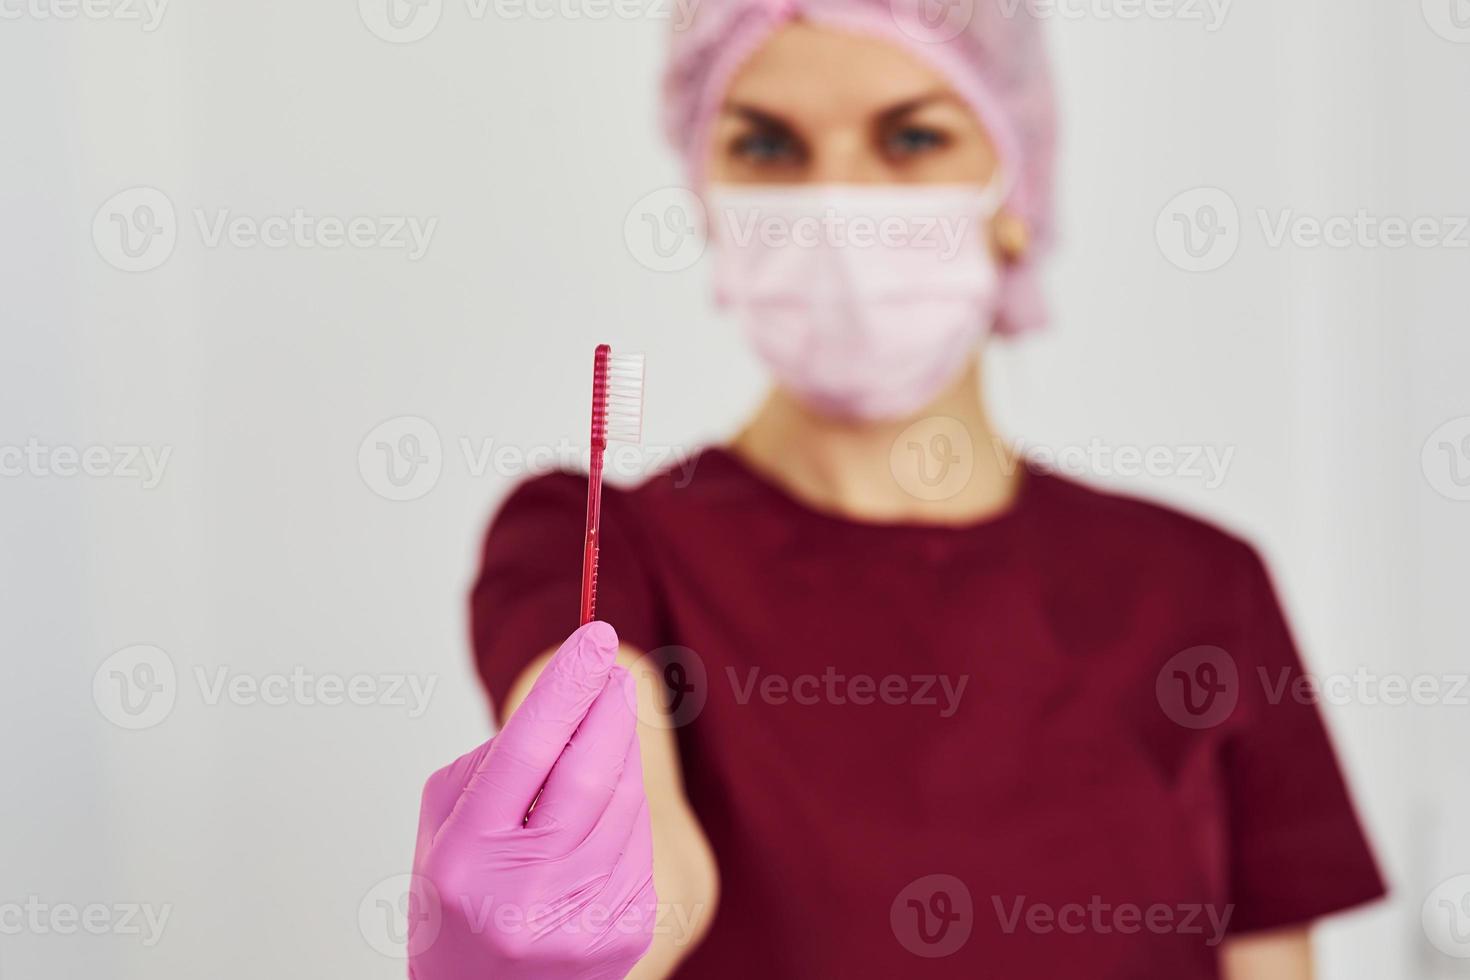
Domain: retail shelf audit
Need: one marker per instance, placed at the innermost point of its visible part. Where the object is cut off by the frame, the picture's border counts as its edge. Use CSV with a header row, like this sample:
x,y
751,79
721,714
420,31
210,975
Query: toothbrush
x,y
617,413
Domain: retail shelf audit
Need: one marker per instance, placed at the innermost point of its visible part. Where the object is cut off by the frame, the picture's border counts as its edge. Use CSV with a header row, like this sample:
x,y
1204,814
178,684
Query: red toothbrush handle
x,y
589,548
594,482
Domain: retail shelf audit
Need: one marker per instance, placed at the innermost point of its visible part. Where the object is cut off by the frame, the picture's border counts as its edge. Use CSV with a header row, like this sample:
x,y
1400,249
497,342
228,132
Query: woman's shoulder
x,y
1078,513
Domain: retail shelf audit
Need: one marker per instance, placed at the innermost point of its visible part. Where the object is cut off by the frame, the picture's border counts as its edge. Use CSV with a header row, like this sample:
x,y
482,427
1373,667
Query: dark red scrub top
x,y
1063,742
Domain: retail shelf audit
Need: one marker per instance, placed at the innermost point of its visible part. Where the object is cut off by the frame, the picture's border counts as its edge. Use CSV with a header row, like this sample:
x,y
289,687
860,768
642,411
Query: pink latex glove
x,y
568,891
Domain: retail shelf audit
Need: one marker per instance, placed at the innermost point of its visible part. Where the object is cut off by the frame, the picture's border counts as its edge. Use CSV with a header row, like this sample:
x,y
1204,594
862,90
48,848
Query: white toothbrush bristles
x,y
625,397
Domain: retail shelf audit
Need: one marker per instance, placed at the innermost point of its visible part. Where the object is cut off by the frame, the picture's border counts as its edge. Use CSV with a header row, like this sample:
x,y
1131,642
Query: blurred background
x,y
292,294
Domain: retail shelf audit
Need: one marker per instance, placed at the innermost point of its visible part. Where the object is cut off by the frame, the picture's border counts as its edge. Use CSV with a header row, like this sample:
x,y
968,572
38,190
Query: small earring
x,y
1012,237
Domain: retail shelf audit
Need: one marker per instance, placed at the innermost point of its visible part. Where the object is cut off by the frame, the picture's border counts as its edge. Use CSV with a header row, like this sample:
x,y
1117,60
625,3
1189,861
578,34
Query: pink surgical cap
x,y
991,52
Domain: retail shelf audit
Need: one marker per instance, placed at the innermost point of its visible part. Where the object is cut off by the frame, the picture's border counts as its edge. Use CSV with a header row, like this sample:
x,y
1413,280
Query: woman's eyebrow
x,y
765,117
760,117
917,102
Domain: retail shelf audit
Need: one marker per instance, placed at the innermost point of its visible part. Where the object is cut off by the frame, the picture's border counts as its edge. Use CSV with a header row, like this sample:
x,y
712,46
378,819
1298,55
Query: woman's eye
x,y
913,140
766,147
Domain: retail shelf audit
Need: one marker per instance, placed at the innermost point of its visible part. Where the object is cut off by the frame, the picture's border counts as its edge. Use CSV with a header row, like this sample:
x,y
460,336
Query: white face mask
x,y
864,301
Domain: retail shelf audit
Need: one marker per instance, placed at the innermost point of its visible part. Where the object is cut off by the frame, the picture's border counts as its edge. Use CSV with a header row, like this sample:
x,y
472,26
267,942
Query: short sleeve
x,y
1298,850
525,598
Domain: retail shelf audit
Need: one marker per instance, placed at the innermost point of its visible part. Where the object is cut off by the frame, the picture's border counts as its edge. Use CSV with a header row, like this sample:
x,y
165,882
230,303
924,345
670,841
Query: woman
x,y
902,724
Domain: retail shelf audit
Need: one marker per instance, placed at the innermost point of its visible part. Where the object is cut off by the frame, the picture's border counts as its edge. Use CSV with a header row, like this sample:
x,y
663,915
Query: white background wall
x,y
265,549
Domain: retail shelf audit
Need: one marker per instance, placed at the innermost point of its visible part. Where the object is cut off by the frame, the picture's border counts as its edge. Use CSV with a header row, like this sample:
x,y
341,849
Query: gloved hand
x,y
568,891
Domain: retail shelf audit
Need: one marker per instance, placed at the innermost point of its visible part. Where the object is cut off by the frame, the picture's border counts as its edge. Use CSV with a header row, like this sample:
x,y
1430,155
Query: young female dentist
x,y
898,725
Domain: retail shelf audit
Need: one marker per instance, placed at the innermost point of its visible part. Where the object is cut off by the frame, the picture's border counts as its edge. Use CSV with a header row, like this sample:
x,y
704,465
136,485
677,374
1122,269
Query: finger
x,y
583,780
522,754
620,818
637,853
631,899
634,868
441,793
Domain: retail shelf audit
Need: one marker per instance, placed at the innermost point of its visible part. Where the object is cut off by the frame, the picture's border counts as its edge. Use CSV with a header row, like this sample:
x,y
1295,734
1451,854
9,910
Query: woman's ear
x,y
1011,236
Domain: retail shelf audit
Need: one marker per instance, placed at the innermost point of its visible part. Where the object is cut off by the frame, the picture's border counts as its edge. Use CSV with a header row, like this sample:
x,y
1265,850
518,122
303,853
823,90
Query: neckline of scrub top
x,y
1002,521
